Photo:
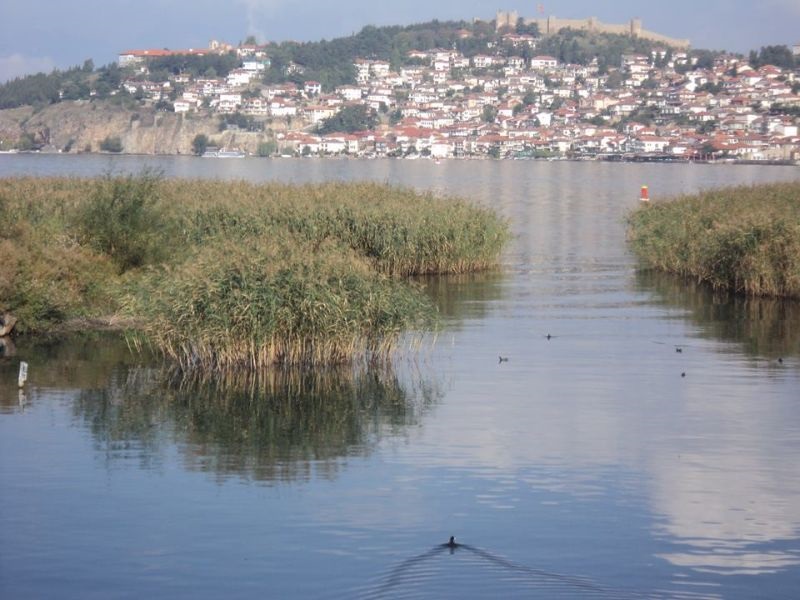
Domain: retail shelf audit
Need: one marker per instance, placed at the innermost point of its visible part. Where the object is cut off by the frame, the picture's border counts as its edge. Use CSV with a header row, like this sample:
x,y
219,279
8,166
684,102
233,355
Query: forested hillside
x,y
331,61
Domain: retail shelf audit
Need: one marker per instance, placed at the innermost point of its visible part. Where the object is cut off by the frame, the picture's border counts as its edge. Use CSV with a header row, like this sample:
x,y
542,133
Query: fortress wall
x,y
552,25
657,37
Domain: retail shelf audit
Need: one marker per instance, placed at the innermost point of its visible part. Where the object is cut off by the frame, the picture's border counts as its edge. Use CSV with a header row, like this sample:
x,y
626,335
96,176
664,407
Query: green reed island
x,y
745,239
222,275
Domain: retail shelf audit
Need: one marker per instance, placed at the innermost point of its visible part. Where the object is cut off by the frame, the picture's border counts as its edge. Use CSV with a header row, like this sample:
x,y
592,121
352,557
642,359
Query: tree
x,y
351,118
527,28
200,143
489,113
614,80
778,56
111,144
708,149
267,148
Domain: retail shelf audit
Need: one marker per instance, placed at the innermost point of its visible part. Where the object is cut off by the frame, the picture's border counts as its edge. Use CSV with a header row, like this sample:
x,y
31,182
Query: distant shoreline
x,y
607,158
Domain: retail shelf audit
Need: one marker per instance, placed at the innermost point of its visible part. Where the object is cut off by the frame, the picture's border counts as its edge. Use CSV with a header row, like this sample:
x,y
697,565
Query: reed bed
x,y
229,275
744,239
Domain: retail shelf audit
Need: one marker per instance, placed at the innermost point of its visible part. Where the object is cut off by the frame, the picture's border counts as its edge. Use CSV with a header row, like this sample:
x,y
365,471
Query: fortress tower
x,y
507,19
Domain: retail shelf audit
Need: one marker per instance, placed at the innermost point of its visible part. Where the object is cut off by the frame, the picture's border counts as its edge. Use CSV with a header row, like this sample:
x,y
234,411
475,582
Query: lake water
x,y
599,463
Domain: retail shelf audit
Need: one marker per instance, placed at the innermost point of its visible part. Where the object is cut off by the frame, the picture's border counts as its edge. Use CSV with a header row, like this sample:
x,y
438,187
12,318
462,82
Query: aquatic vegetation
x,y
226,275
745,239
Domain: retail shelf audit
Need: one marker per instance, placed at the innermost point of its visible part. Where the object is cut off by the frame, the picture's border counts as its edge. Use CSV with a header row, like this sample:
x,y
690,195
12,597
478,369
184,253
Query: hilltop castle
x,y
552,25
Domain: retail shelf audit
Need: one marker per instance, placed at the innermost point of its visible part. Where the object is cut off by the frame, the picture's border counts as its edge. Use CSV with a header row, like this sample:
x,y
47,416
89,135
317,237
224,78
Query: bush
x,y
267,148
123,219
111,144
200,143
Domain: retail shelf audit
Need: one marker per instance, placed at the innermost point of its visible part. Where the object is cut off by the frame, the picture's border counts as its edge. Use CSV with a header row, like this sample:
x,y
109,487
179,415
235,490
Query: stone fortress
x,y
552,25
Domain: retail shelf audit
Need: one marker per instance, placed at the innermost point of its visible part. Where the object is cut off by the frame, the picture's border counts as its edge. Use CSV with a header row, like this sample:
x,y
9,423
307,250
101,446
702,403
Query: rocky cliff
x,y
81,126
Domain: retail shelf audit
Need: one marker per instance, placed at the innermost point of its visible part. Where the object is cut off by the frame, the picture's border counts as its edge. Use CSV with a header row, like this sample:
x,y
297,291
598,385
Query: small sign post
x,y
23,373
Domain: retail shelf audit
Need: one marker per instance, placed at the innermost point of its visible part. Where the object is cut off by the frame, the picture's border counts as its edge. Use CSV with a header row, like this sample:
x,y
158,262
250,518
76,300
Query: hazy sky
x,y
38,35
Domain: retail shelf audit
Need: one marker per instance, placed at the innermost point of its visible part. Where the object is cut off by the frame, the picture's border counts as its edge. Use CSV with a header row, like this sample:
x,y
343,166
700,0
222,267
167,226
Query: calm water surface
x,y
586,466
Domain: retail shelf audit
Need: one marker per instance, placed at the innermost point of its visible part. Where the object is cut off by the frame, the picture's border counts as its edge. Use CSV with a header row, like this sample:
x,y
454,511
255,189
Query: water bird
x,y
502,359
780,361
452,543
548,336
678,349
683,374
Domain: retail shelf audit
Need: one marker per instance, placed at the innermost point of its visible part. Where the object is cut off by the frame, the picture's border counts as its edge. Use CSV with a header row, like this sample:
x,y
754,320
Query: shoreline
x,y
607,158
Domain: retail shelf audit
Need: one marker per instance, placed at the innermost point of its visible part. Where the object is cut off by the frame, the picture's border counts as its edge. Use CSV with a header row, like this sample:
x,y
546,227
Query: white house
x,y
333,144
281,107
229,102
256,107
254,66
379,68
349,92
182,106
441,147
649,144
543,62
312,88
482,61
319,113
362,70
239,78
441,65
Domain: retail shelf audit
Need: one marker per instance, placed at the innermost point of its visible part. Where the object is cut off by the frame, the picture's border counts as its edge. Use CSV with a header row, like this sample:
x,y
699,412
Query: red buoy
x,y
645,196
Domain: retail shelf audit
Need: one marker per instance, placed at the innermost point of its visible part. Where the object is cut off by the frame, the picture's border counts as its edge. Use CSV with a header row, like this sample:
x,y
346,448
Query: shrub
x,y
111,144
123,218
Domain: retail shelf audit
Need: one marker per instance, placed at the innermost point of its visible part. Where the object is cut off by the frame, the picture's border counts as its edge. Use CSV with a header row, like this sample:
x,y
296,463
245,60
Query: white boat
x,y
223,153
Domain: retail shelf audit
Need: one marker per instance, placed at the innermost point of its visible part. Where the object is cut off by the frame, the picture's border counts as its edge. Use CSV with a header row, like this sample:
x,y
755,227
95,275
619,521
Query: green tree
x,y
489,113
351,118
527,28
200,143
111,144
614,80
124,219
267,148
779,56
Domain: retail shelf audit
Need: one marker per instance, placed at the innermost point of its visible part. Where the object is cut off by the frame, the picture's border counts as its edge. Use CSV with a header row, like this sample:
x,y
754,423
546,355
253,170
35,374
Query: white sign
x,y
23,373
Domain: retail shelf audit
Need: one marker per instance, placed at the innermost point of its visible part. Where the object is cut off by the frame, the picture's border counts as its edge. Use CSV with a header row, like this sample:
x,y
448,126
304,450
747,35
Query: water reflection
x,y
465,296
285,425
761,327
62,363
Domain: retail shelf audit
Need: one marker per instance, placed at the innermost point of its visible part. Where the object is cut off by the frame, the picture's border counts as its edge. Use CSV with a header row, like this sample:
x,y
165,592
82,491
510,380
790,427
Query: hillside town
x,y
509,102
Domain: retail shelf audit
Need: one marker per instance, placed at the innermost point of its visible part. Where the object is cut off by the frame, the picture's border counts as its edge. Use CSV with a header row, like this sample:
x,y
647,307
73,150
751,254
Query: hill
x,y
330,62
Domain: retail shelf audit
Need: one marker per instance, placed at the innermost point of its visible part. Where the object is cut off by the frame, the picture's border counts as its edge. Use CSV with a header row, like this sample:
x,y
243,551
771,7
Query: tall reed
x,y
744,239
224,275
